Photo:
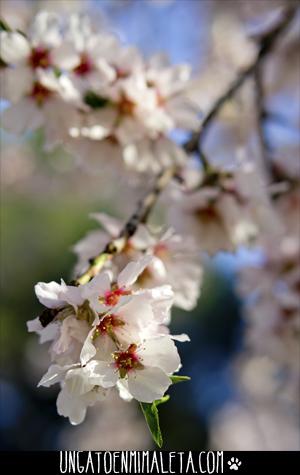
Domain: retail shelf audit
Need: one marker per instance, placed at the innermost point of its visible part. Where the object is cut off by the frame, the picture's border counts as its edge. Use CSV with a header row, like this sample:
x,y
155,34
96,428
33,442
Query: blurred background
x,y
45,202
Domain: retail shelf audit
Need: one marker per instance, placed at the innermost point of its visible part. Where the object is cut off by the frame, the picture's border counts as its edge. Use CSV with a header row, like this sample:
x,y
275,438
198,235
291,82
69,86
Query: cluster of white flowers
x,y
272,288
104,102
222,208
175,259
108,333
94,94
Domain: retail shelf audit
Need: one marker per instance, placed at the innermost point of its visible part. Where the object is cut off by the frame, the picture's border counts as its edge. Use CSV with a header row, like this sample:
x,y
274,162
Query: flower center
x,y
112,297
39,58
121,73
40,93
207,213
127,360
84,312
85,66
126,106
107,325
161,250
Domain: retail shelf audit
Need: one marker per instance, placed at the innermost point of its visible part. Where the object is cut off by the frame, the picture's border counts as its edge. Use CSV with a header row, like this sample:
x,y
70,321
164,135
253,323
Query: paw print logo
x,y
234,463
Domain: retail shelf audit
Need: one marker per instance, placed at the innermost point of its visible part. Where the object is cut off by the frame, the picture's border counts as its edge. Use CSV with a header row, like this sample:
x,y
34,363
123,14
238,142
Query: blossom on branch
x,y
106,333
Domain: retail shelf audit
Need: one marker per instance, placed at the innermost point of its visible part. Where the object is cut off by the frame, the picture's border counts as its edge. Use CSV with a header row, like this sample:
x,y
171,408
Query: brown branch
x,y
139,216
115,246
194,144
261,117
267,42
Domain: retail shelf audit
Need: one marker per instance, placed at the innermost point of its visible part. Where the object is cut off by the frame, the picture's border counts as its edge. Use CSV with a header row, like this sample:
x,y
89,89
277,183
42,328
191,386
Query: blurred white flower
x,y
175,259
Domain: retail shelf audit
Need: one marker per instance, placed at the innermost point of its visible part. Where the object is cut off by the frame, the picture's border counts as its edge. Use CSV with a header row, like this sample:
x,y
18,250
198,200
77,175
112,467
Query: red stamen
x,y
85,66
40,93
127,360
107,324
112,297
39,58
207,213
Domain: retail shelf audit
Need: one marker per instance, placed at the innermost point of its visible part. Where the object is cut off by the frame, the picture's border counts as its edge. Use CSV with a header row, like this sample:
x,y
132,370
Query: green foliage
x,y
150,412
94,100
179,379
3,25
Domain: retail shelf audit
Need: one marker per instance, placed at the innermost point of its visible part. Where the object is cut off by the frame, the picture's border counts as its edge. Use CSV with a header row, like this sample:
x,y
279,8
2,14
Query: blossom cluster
x,y
272,289
108,333
94,94
104,102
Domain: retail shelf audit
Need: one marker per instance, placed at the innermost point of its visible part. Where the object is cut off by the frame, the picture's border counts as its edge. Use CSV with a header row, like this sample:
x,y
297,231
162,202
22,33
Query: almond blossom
x,y
108,333
35,102
227,209
175,259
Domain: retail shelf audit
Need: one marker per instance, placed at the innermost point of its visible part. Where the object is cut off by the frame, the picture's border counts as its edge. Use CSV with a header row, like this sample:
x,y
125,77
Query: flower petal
x,y
148,384
161,352
49,294
131,272
14,47
55,374
71,407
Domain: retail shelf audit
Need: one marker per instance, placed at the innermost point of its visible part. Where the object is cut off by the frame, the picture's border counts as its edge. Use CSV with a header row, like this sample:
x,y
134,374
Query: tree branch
x,y
145,206
139,216
267,42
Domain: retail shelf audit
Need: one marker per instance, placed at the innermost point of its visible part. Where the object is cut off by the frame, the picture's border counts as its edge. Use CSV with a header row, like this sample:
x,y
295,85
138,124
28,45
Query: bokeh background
x,y
45,202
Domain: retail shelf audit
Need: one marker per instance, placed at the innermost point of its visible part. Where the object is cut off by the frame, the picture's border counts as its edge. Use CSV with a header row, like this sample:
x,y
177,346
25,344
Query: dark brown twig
x,y
267,42
194,144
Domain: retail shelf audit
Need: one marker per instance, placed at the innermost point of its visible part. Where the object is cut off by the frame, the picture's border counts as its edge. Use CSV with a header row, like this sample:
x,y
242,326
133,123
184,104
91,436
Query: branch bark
x,y
267,42
194,144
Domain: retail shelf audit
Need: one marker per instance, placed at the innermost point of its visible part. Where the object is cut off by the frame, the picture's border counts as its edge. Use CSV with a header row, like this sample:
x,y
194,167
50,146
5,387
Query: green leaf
x,y
179,379
4,26
94,101
150,412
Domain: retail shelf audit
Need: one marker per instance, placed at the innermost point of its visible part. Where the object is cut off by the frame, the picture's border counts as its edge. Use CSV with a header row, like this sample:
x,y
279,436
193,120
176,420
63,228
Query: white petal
x,y
34,325
72,295
131,272
182,338
124,393
88,349
65,56
71,407
97,286
102,373
49,333
77,381
112,225
49,294
148,384
54,375
16,83
160,352
46,29
137,311
71,329
14,47
162,299
142,238
22,116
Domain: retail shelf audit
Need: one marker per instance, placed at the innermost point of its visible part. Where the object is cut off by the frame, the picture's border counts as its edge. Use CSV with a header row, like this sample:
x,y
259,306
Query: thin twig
x,y
139,216
266,43
261,117
194,144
